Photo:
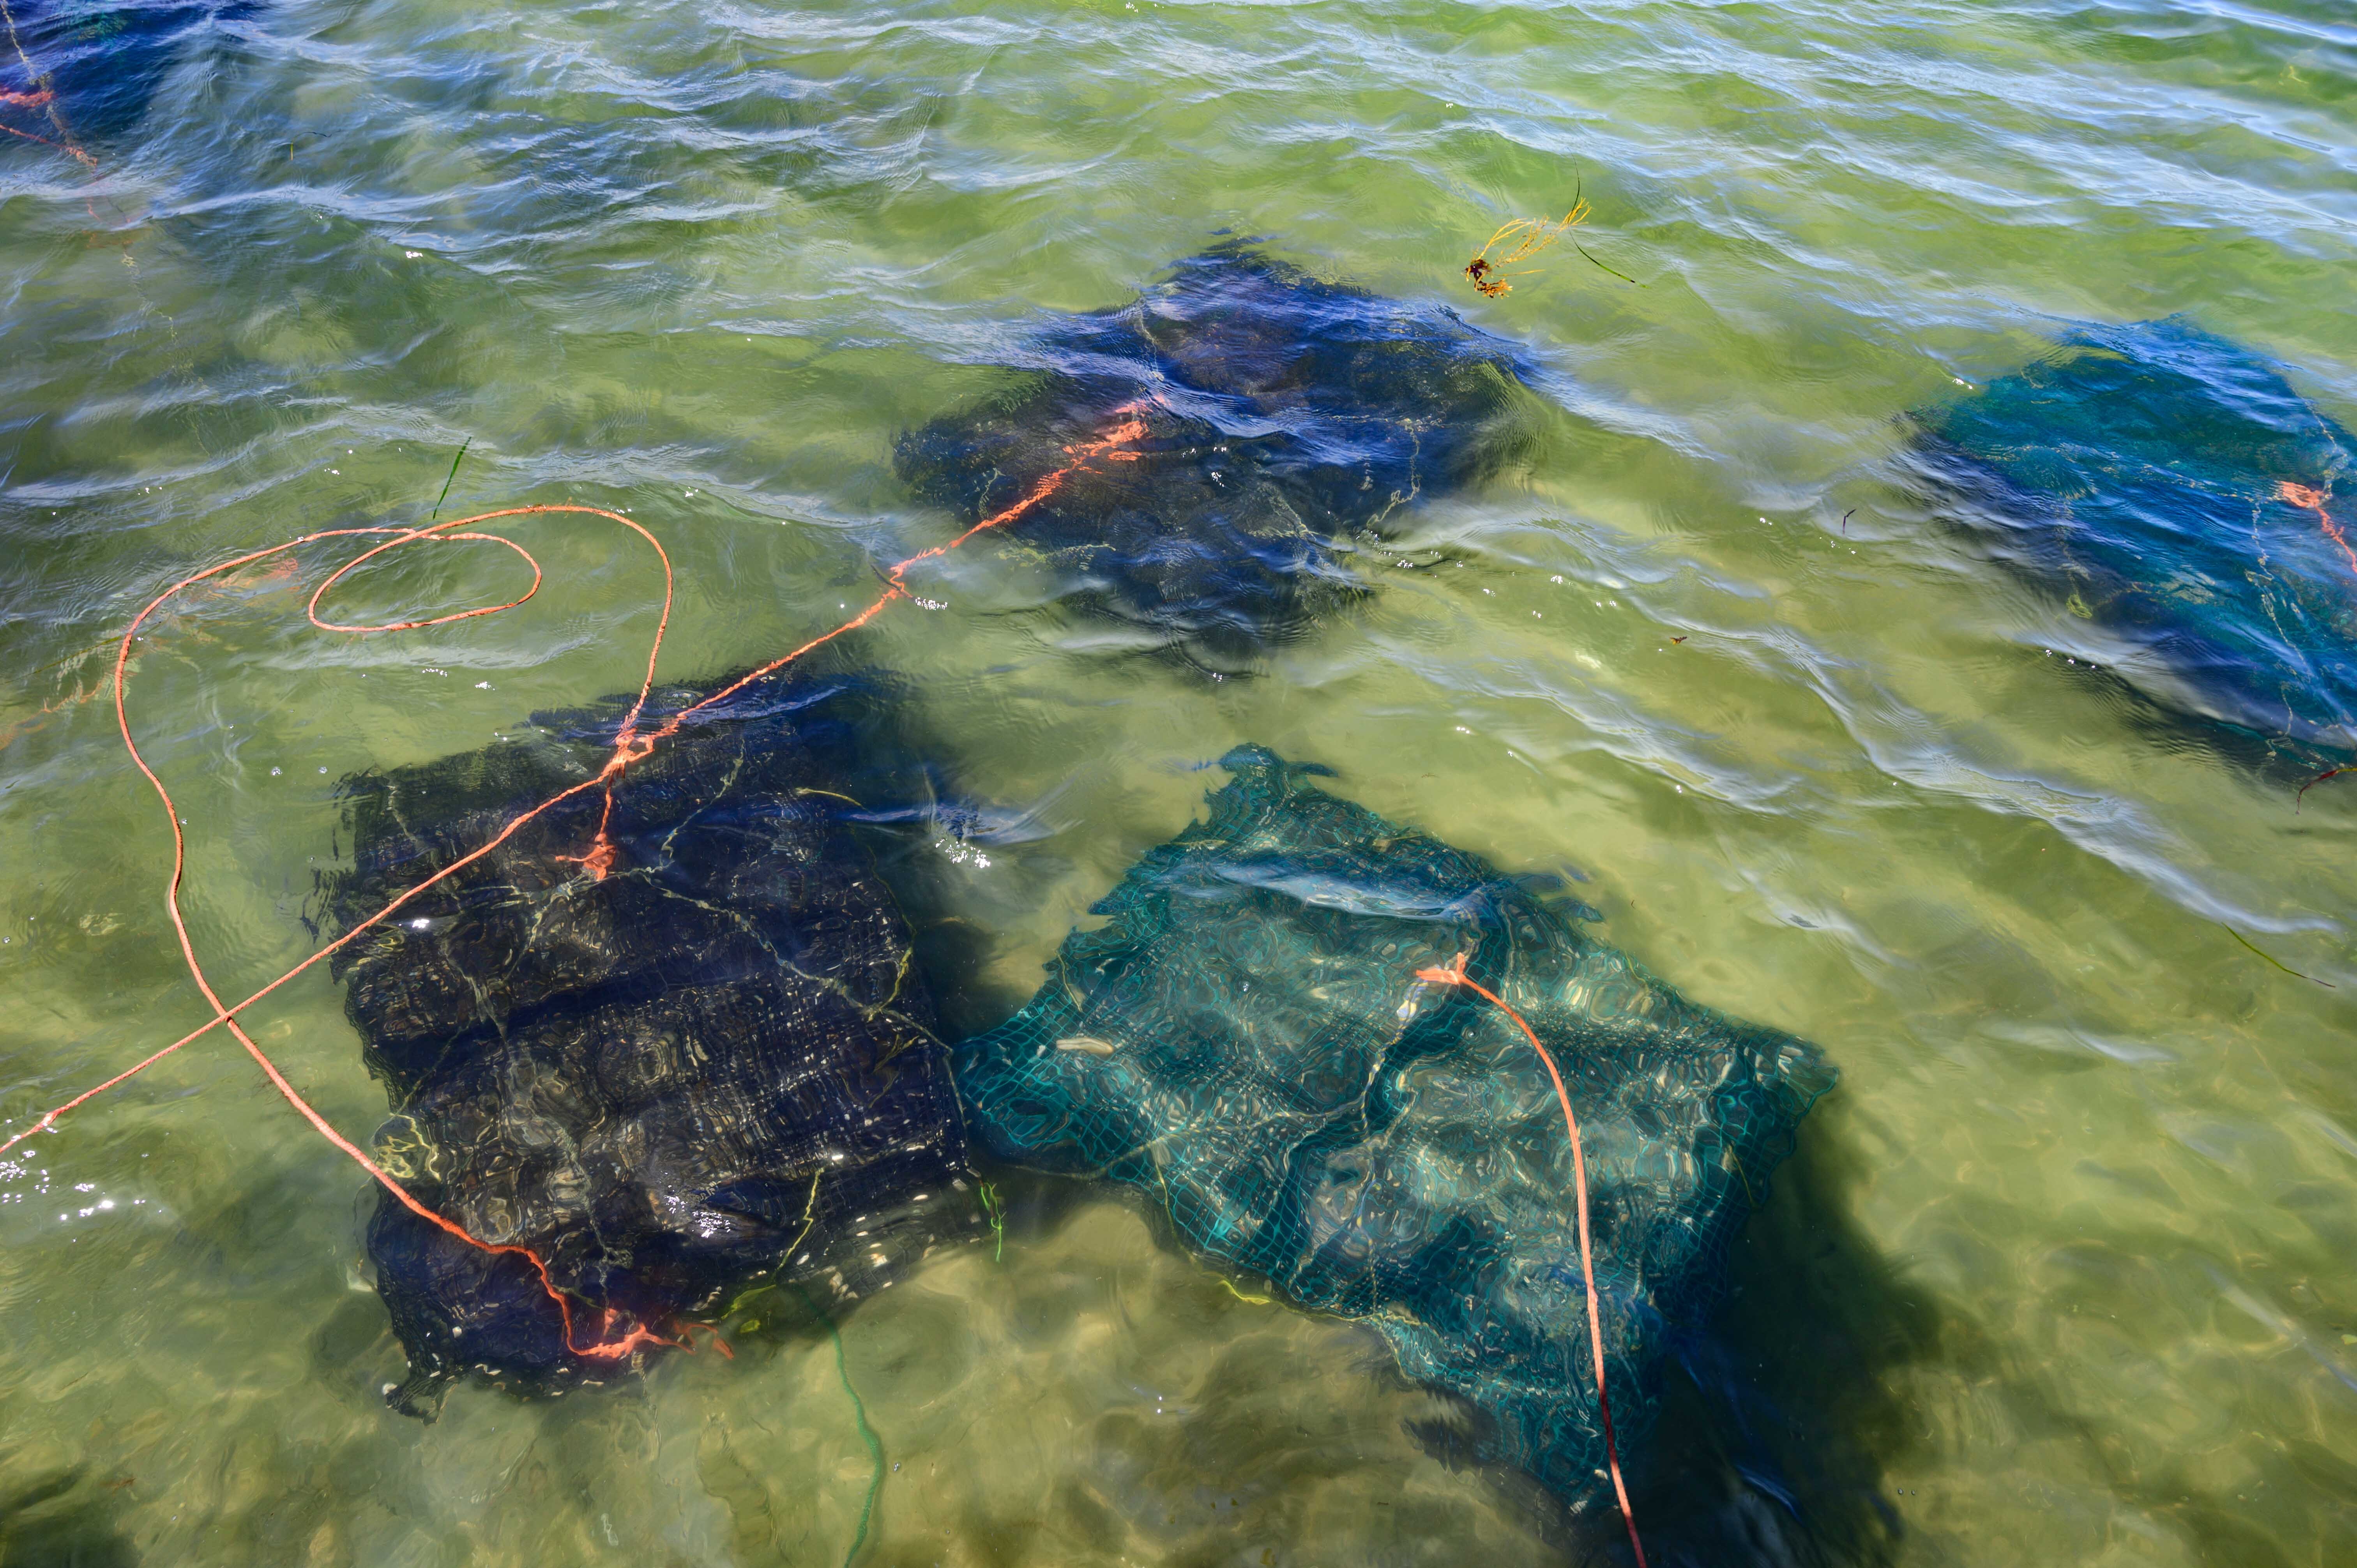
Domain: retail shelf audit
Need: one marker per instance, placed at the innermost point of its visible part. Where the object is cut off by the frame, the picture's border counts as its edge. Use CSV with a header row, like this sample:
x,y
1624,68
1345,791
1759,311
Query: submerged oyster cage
x,y
1247,1039
2172,487
1282,415
707,1061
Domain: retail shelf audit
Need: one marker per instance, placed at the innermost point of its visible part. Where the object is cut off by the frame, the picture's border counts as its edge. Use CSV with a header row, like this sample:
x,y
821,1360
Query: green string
x,y
1624,277
867,1432
2271,959
996,1211
444,496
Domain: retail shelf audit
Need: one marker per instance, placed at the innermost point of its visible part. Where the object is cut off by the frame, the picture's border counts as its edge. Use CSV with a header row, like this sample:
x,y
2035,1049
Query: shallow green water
x,y
2064,1272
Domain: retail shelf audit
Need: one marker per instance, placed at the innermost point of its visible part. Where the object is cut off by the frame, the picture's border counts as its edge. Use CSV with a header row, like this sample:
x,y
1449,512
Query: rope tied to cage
x,y
43,97
1454,975
631,745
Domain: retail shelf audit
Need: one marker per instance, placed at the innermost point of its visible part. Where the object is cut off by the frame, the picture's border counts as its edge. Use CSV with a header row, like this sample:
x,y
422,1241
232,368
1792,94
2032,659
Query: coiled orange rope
x,y
1455,975
629,746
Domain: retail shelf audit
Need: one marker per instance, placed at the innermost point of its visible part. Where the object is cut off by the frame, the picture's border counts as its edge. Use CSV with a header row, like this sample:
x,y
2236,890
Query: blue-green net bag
x,y
1245,1039
2173,488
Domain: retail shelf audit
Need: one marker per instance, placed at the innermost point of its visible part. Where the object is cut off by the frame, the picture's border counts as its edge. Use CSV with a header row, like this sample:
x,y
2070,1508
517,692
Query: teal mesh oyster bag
x,y
1245,1039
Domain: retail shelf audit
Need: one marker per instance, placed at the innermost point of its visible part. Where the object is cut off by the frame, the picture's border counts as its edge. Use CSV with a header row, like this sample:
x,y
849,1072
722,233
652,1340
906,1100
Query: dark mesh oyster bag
x,y
77,71
1245,1039
2174,488
1275,415
713,1063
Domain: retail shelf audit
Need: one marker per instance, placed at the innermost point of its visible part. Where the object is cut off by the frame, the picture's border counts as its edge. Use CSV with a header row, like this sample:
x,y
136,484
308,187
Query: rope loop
x,y
616,1338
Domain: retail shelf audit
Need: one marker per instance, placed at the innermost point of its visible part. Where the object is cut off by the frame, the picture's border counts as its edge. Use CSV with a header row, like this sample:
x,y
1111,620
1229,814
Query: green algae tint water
x,y
2063,1271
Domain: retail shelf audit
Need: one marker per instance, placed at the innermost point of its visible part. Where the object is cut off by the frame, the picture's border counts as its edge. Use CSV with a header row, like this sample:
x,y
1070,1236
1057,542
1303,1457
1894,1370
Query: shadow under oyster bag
x,y
2179,492
1280,415
715,1062
1246,1040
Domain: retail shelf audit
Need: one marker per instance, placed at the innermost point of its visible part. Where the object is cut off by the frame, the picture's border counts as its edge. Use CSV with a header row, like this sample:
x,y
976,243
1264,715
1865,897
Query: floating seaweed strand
x,y
1455,975
2270,956
631,745
858,1414
1532,235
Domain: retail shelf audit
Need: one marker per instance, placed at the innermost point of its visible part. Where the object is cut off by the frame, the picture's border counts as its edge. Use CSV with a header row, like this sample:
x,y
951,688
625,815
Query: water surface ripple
x,y
2061,1272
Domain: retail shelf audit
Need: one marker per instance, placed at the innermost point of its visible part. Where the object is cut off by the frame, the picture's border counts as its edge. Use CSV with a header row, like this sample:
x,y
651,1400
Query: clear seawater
x,y
2065,1271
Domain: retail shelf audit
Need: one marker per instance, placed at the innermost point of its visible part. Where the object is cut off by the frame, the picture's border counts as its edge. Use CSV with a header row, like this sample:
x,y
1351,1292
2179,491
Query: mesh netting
x,y
85,70
1281,414
1244,1040
2179,492
713,1064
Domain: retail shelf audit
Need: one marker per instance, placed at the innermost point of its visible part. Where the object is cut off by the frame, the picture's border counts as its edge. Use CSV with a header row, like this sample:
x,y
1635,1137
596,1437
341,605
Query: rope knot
x,y
1453,975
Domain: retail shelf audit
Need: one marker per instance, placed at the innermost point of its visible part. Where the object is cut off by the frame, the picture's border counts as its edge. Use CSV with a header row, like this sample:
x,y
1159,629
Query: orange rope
x,y
1455,975
69,151
2308,498
629,746
44,97
604,1349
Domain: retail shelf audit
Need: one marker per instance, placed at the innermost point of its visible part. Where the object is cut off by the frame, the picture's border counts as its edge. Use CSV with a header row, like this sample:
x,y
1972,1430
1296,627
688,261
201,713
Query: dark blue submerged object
x,y
1282,414
713,1066
2179,493
84,71
1245,1040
